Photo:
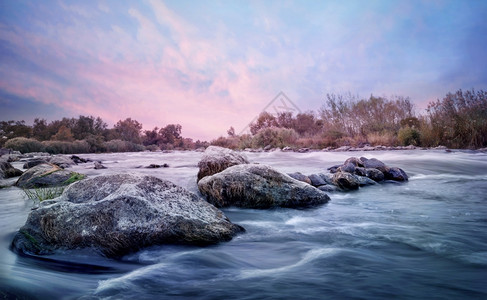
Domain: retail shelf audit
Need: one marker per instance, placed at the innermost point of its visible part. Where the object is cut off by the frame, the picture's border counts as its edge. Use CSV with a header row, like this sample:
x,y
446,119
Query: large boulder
x,y
258,186
46,175
8,171
216,159
121,213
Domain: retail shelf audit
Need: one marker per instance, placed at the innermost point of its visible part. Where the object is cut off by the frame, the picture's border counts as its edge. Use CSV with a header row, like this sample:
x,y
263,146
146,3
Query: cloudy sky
x,y
209,65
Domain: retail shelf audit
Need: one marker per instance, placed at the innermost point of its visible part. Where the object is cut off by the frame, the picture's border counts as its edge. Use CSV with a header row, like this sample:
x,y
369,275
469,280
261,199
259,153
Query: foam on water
x,y
424,237
308,258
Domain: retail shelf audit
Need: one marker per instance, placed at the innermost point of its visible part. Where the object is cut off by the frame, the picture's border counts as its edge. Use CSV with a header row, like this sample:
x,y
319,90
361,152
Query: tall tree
x,y
40,130
129,130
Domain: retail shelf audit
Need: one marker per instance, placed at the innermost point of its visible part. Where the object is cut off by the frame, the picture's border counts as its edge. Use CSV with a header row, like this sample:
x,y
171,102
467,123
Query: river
x,y
426,238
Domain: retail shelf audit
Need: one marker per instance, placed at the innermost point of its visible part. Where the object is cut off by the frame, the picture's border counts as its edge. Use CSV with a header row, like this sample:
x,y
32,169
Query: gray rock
x,y
328,178
99,166
316,180
342,148
349,168
34,162
363,181
374,174
373,163
327,188
79,160
258,186
299,176
44,175
156,166
120,214
355,161
334,169
62,161
396,174
360,171
216,159
346,181
8,171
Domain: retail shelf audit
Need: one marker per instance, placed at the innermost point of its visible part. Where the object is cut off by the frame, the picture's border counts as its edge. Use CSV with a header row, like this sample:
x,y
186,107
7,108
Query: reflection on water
x,y
424,238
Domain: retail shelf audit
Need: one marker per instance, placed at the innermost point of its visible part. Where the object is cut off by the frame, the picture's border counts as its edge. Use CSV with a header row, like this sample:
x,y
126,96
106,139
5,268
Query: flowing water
x,y
426,238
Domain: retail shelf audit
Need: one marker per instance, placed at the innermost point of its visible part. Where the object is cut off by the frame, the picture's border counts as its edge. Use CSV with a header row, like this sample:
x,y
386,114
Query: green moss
x,y
32,239
74,177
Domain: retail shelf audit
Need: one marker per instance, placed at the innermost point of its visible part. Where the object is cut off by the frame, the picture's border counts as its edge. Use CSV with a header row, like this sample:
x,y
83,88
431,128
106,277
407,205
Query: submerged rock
x,y
216,159
98,165
119,214
258,186
396,174
79,160
156,166
62,161
46,175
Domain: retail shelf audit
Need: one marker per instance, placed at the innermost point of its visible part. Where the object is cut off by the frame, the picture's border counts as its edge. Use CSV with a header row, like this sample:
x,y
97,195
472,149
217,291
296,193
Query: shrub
x,y
60,147
81,146
408,136
152,148
275,137
245,141
56,147
382,139
226,142
24,145
122,146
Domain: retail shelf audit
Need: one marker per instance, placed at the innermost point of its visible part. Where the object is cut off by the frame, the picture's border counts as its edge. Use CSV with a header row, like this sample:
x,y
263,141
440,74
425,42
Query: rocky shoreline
x,y
357,149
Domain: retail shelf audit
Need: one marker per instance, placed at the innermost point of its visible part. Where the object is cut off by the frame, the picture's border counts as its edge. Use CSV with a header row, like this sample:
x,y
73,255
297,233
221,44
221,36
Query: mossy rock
x,y
47,175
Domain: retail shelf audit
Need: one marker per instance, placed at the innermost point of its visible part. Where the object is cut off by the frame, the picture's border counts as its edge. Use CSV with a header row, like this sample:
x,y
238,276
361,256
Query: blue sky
x,y
209,65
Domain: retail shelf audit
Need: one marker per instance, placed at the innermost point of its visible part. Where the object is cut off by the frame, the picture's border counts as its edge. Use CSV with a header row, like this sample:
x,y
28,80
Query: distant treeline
x,y
459,120
88,134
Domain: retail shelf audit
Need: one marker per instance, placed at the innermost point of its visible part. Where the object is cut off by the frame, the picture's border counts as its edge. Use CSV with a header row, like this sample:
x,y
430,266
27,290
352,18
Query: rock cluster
x,y
226,178
119,214
354,173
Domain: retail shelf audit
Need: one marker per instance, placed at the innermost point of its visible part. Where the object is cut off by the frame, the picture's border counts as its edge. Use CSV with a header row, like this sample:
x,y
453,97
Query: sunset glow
x,y
209,65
